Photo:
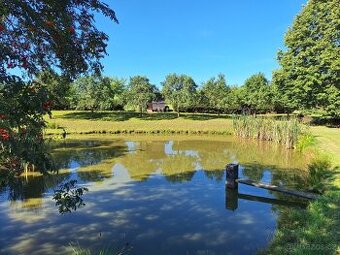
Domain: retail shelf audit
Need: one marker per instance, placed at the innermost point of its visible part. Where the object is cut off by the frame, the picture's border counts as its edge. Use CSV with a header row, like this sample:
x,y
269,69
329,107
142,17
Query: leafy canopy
x,y
179,91
311,64
140,92
36,36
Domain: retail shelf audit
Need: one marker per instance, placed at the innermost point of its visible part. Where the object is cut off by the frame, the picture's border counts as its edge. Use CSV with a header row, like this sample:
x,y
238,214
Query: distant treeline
x,y
180,92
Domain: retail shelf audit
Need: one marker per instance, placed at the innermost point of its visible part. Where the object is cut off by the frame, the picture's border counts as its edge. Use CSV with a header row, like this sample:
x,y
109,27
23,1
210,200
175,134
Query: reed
x,y
286,132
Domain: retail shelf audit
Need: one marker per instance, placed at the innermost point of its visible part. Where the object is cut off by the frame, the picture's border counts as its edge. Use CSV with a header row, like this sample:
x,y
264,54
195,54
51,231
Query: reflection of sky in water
x,y
131,147
163,214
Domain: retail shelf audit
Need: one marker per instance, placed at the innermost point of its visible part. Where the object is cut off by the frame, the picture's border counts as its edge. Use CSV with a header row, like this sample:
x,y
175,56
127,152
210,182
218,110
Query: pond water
x,y
154,195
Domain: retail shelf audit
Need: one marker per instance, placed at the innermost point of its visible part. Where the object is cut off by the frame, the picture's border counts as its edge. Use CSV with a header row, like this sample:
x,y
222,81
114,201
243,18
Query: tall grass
x,y
77,250
286,132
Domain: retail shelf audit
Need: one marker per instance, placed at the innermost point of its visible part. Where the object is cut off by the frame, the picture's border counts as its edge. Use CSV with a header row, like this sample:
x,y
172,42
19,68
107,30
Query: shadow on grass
x,y
124,116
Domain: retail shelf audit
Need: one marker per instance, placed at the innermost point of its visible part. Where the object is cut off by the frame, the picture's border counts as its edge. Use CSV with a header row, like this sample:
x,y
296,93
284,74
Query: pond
x,y
153,195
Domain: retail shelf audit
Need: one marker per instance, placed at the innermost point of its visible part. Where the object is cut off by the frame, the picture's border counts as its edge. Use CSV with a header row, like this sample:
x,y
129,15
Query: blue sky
x,y
200,38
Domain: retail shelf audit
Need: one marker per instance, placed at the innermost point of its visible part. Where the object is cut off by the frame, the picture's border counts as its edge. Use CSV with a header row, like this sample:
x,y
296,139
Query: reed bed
x,y
285,132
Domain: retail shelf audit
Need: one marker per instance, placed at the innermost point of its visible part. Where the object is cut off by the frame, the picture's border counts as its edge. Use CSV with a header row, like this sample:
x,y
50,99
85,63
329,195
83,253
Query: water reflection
x,y
161,195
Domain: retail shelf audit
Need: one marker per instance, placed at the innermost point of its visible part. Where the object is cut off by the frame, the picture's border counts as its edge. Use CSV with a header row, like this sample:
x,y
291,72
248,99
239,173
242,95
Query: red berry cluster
x,y
47,105
4,134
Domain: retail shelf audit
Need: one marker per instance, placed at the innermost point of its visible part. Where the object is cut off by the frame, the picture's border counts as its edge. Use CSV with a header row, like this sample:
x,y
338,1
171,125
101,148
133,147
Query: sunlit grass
x,y
128,123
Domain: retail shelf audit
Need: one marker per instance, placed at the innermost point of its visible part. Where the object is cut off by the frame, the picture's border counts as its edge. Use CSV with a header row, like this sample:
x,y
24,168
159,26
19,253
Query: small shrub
x,y
319,174
52,125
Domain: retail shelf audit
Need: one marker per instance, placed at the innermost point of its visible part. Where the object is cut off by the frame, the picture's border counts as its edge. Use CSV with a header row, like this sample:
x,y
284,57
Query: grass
x,y
315,230
285,132
81,122
75,249
312,231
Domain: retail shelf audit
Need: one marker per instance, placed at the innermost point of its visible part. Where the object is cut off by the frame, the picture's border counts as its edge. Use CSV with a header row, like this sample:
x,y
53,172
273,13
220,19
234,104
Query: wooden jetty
x,y
232,182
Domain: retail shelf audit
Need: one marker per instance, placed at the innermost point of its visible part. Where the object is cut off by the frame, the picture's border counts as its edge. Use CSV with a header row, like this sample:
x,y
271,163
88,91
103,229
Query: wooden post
x,y
231,176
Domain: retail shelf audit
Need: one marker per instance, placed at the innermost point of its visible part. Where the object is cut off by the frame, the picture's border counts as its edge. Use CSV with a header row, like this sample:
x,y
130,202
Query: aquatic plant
x,y
77,250
283,131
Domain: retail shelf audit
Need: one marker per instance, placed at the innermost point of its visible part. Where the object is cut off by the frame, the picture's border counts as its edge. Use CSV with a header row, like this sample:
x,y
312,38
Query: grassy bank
x,y
315,230
81,122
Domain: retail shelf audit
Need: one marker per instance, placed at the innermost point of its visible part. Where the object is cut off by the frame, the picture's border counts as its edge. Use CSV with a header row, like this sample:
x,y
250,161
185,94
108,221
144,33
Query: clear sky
x,y
200,38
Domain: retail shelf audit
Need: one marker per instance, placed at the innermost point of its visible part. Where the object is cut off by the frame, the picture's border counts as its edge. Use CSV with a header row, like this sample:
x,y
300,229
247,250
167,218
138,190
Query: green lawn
x,y
82,122
328,140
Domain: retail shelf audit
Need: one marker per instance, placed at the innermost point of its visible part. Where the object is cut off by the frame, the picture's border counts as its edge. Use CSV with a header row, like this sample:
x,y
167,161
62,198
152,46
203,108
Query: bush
x,y
22,106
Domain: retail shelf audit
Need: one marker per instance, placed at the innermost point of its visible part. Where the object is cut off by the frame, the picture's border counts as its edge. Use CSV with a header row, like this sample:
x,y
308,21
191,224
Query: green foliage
x,y
58,87
22,107
97,93
313,231
39,35
285,132
256,94
77,250
140,92
36,36
68,197
309,77
305,141
215,91
320,174
179,91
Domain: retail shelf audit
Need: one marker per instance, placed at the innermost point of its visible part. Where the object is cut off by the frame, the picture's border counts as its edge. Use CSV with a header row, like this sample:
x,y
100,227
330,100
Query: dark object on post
x,y
232,176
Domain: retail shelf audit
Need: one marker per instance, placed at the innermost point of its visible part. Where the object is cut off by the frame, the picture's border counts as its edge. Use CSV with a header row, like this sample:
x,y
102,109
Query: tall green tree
x,y
140,92
179,91
216,90
35,36
118,88
257,94
310,64
96,92
58,87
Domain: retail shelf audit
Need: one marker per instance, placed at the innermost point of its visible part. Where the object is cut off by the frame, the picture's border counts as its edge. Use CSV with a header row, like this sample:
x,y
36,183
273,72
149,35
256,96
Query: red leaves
x,y
25,65
2,116
4,134
49,23
71,30
10,65
47,105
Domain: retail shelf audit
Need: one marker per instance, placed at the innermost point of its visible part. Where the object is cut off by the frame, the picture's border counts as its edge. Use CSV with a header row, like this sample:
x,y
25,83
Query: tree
x,y
179,91
257,94
58,87
216,91
97,93
35,36
118,87
140,92
233,100
310,65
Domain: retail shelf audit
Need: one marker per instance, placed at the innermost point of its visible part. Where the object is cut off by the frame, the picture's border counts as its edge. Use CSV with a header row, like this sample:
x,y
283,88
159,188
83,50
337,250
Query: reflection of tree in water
x,y
86,156
253,171
179,167
29,187
140,166
144,160
217,175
